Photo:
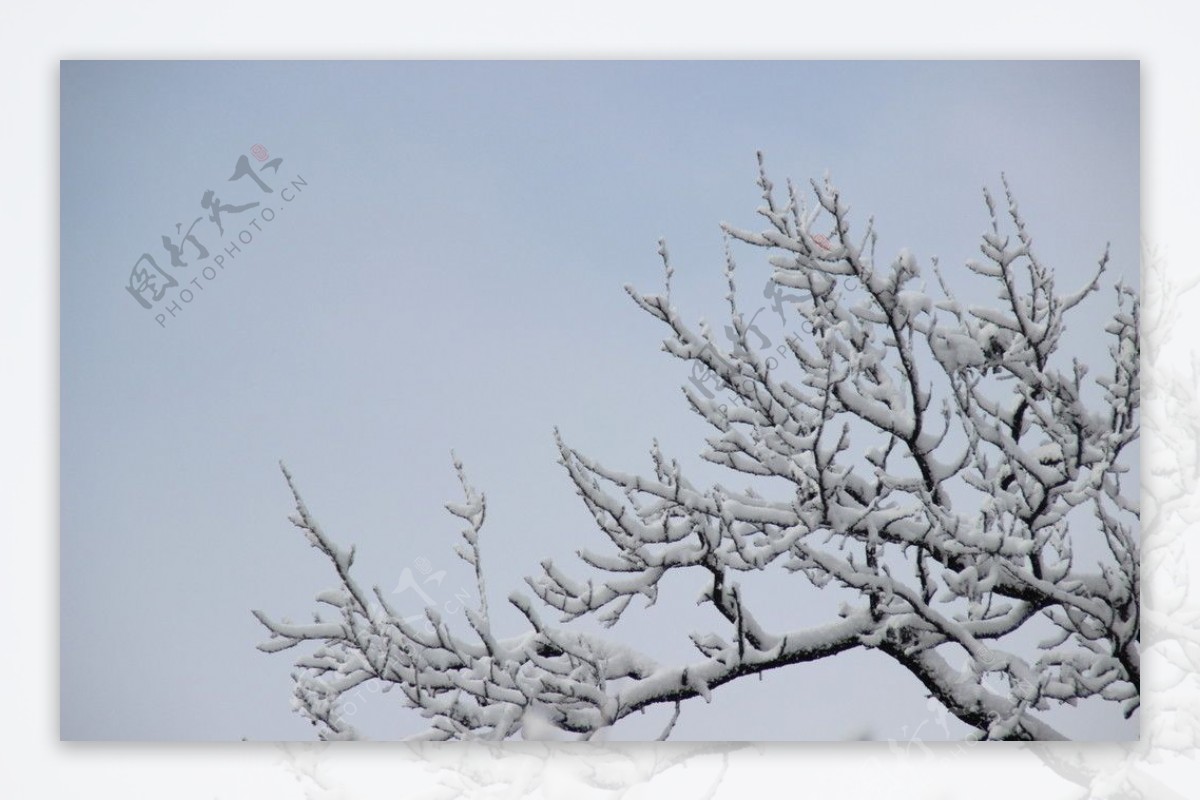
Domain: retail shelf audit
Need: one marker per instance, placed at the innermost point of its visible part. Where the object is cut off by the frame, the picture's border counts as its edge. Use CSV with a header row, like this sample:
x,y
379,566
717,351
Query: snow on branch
x,y
949,467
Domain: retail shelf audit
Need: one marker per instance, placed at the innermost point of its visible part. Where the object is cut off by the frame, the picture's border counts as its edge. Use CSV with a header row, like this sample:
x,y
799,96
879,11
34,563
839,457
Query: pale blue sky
x,y
451,276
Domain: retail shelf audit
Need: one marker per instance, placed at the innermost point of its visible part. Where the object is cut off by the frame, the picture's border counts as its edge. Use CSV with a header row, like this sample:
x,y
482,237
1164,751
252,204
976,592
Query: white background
x,y
33,40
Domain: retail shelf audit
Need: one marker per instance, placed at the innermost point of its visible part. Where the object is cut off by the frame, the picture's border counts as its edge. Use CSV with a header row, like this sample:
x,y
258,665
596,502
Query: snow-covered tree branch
x,y
946,467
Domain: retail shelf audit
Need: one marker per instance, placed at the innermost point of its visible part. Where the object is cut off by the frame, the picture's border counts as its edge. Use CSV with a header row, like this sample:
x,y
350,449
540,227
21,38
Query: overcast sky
x,y
444,269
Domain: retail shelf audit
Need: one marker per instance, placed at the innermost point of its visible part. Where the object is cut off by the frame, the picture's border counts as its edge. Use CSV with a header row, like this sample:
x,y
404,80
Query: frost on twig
x,y
947,464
